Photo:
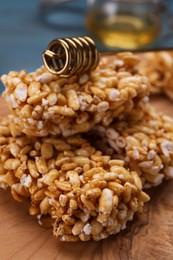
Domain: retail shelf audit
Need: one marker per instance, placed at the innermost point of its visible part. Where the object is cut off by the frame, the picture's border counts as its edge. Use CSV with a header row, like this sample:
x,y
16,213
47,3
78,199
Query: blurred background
x,y
27,27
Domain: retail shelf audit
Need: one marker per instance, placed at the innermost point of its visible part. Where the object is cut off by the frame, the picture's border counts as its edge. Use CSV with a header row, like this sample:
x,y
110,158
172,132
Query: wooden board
x,y
148,237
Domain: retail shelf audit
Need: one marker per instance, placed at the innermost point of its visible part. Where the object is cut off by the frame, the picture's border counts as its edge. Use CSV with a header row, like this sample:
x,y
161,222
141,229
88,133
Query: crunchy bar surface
x,y
146,146
47,104
157,66
88,195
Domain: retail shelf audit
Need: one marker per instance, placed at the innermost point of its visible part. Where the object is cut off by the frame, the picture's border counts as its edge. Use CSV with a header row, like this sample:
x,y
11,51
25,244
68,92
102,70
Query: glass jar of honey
x,y
128,24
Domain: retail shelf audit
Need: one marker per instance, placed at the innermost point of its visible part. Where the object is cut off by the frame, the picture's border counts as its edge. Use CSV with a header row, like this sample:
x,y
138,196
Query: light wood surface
x,y
147,237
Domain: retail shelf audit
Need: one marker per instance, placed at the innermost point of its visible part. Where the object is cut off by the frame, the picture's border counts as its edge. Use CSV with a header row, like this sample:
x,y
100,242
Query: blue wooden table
x,y
26,29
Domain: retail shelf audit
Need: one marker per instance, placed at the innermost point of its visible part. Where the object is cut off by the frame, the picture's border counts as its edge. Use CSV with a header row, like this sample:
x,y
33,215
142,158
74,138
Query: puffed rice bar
x,y
146,146
158,67
47,104
88,195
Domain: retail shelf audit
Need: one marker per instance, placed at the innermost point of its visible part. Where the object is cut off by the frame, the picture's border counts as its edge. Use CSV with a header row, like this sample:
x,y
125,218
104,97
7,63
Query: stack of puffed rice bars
x,y
82,149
